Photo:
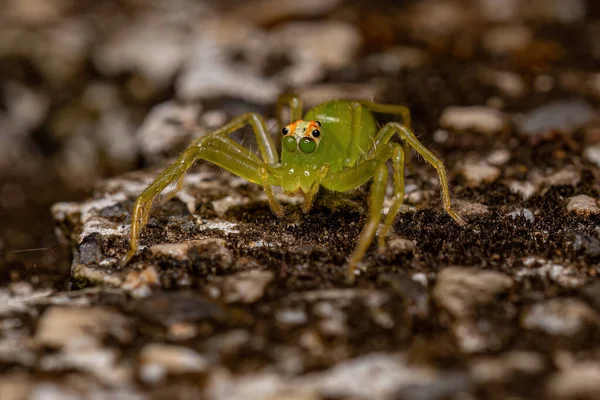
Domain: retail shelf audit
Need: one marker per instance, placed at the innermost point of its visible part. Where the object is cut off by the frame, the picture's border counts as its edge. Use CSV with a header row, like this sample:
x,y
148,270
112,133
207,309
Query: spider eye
x,y
290,144
307,145
318,123
285,130
316,133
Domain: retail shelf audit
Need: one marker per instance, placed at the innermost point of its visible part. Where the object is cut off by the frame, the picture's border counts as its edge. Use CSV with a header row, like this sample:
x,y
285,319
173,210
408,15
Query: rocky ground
x,y
226,301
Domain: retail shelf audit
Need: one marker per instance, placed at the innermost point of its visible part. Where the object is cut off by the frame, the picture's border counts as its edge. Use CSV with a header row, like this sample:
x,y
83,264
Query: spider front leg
x,y
295,105
266,145
143,204
220,150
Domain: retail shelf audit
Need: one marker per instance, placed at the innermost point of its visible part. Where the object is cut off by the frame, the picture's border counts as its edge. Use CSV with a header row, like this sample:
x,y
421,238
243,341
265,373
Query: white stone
x,y
523,212
581,381
149,48
592,153
246,286
561,317
165,126
79,327
501,369
460,289
332,44
583,204
498,157
208,73
373,376
159,360
479,173
524,188
477,118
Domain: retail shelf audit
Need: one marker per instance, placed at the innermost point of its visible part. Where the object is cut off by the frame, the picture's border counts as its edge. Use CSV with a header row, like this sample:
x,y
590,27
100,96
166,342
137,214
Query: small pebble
x,y
140,283
460,289
208,73
159,360
332,44
510,83
522,213
592,154
15,386
400,245
396,59
481,119
182,331
291,317
581,381
155,51
79,327
479,173
213,249
246,286
564,116
583,204
498,157
561,317
165,127
563,177
524,188
590,246
503,368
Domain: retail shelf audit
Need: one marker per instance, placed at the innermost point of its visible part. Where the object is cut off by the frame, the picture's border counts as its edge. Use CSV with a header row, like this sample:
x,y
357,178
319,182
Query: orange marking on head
x,y
312,125
292,126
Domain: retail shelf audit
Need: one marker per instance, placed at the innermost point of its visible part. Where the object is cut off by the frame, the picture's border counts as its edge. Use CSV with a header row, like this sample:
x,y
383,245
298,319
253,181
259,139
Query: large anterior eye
x,y
290,144
307,145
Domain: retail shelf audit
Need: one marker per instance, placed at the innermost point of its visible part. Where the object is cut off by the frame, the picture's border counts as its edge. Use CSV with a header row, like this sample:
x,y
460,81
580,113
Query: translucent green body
x,y
336,145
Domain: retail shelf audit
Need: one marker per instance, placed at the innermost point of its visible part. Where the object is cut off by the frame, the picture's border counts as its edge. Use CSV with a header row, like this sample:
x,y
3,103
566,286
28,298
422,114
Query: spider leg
x,y
143,204
293,102
398,176
391,128
352,178
221,151
353,149
314,188
404,113
273,204
266,145
170,194
376,196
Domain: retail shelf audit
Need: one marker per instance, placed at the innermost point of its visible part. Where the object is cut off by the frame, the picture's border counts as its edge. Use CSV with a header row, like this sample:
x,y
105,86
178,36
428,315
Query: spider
x,y
336,145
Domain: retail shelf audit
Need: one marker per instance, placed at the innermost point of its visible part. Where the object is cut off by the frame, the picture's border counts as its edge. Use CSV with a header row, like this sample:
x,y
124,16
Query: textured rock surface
x,y
226,301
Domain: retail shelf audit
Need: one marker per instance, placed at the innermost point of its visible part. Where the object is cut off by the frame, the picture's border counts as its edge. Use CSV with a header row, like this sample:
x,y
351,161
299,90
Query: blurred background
x,y
91,89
